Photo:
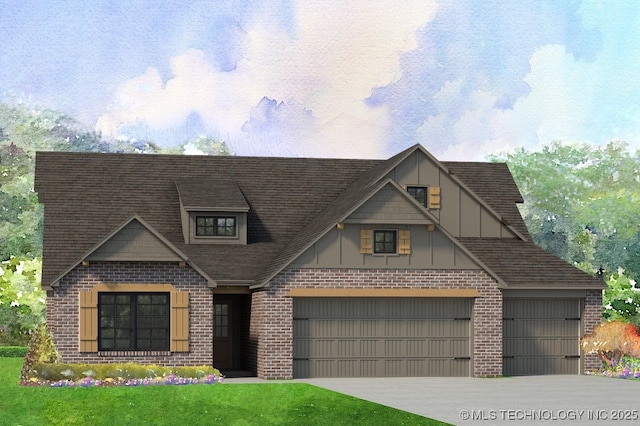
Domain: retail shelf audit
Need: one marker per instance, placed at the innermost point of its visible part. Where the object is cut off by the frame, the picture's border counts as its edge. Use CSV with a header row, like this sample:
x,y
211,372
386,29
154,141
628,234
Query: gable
x,y
134,242
462,212
389,205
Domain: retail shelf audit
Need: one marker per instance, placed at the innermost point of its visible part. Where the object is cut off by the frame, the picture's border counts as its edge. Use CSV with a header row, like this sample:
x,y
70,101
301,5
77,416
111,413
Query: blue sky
x,y
332,78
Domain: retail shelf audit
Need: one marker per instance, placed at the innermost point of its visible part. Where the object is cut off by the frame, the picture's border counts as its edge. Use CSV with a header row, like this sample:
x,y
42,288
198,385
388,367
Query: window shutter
x,y
366,241
404,242
179,321
434,197
88,321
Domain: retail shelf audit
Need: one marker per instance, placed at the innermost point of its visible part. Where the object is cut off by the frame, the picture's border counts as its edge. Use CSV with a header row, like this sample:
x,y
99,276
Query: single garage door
x,y
541,336
381,337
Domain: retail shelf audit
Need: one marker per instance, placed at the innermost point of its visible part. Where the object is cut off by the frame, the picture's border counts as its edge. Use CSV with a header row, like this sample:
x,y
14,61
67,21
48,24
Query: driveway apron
x,y
516,401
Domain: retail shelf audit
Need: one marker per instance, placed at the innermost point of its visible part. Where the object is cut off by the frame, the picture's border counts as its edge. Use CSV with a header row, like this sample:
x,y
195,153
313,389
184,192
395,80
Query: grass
x,y
230,404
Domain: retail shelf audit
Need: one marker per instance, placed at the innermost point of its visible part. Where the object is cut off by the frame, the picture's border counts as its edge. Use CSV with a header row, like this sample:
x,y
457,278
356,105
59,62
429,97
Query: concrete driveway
x,y
514,401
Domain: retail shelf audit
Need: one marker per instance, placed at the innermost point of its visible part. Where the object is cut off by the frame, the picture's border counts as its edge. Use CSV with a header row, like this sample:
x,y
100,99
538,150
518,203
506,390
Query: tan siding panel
x,y
388,205
490,225
88,321
469,216
134,242
179,321
450,206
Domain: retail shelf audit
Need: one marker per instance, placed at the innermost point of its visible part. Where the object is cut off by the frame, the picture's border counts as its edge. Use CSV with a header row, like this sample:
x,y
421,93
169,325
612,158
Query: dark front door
x,y
222,334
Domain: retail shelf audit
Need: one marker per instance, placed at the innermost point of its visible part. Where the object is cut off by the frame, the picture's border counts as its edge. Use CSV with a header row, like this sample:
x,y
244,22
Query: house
x,y
300,267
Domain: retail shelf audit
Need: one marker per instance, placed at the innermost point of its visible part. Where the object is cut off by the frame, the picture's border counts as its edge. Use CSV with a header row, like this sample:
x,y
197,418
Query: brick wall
x,y
63,311
272,311
592,316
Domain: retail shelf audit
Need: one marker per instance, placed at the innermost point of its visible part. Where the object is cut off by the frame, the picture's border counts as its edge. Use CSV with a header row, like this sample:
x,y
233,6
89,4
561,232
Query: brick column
x,y
592,316
272,324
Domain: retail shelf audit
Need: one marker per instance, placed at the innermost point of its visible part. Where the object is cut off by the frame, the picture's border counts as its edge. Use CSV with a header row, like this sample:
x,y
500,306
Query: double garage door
x,y
413,337
381,337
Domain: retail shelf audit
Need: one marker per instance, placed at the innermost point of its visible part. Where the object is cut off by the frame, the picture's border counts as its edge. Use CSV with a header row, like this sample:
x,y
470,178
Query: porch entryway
x,y
231,343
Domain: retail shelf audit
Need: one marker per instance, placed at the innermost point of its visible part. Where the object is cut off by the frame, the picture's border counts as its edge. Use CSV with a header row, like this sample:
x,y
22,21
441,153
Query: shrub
x,y
611,341
13,351
621,299
126,371
41,350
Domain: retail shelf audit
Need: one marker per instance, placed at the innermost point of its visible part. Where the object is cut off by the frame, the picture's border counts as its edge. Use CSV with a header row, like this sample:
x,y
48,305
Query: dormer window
x,y
216,226
213,211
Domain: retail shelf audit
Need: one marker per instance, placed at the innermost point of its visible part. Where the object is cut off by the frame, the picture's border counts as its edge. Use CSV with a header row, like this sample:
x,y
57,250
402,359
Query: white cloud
x,y
328,64
558,106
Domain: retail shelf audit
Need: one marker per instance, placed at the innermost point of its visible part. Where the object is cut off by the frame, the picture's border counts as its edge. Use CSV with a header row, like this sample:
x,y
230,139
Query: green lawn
x,y
228,404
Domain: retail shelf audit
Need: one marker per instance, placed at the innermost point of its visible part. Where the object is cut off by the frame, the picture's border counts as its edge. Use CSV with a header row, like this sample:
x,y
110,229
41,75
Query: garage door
x,y
541,336
381,337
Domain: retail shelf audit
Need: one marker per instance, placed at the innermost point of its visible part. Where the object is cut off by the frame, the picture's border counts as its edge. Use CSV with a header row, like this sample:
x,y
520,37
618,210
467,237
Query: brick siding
x,y
63,311
591,316
272,311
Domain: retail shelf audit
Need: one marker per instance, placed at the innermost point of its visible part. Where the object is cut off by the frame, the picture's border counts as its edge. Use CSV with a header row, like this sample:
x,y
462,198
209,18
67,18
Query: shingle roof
x,y
98,192
292,201
212,194
533,268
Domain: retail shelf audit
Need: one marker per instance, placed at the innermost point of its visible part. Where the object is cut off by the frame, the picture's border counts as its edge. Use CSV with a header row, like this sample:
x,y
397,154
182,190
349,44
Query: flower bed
x,y
627,368
171,380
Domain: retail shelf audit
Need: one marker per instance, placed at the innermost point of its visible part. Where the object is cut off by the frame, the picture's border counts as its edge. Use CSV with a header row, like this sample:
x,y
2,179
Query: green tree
x,y
22,302
582,203
621,300
206,145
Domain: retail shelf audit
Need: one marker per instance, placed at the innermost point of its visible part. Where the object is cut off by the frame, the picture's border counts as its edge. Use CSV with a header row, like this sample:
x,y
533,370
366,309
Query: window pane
x,y
123,310
144,322
158,299
122,299
144,310
107,322
134,321
160,322
107,299
122,333
159,310
107,310
107,343
108,333
123,322
122,344
158,333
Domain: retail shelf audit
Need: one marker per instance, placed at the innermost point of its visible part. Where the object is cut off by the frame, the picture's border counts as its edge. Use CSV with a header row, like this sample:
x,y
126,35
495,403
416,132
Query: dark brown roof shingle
x,y
291,202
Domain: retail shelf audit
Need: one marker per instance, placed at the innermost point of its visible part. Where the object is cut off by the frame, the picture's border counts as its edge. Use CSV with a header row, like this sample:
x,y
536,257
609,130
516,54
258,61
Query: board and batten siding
x,y
428,250
460,214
